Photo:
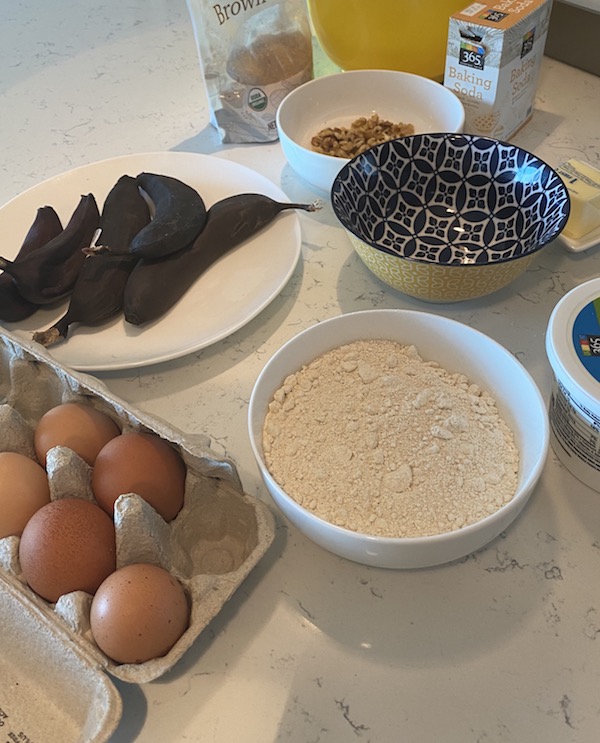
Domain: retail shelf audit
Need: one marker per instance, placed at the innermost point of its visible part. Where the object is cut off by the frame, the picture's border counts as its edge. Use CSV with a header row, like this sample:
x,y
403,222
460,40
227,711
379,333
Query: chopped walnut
x,y
362,134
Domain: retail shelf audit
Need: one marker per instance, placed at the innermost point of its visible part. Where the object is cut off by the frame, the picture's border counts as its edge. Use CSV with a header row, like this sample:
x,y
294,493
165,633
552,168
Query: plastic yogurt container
x,y
573,349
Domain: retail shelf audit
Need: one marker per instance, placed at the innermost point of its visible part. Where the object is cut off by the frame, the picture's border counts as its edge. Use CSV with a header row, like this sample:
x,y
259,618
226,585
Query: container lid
x,y
573,344
51,691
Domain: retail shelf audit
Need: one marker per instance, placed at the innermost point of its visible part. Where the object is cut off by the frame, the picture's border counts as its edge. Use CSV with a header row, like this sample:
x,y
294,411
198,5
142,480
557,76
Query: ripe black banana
x,y
98,292
13,306
45,276
155,286
179,216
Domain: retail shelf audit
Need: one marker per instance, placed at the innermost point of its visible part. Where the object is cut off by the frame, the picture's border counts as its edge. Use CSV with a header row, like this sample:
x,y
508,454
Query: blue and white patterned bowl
x,y
449,217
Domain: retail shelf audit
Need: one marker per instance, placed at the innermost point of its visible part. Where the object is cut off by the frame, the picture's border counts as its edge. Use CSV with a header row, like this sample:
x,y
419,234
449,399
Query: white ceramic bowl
x,y
456,347
339,99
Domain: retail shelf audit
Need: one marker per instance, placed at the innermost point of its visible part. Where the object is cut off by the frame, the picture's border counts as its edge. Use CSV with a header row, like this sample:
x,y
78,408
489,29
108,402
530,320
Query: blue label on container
x,y
586,337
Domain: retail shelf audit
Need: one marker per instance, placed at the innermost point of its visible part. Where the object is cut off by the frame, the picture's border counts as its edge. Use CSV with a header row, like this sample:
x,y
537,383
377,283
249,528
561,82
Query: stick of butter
x,y
583,183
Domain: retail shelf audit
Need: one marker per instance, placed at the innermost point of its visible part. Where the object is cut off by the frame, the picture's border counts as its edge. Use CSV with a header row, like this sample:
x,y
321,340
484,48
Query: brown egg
x,y
139,613
78,426
141,463
23,490
68,545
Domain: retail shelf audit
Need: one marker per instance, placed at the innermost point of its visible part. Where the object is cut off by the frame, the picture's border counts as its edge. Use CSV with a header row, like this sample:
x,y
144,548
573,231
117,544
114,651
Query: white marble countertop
x,y
501,647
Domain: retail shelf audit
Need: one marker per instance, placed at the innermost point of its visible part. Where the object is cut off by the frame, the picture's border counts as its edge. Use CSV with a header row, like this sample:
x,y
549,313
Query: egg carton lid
x,y
56,684
50,691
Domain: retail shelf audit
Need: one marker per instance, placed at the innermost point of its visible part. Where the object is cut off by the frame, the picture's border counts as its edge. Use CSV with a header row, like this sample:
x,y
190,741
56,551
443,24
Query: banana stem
x,y
48,337
93,248
313,207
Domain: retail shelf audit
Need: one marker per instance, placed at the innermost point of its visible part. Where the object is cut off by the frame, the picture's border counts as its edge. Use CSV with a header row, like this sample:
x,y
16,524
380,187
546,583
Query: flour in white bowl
x,y
371,437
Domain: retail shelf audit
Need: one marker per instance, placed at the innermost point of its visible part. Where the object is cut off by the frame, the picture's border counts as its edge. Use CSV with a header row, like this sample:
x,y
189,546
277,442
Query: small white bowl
x,y
457,348
339,99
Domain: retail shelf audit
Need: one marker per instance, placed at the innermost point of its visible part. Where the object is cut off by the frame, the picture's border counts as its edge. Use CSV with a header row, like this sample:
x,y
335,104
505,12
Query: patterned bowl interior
x,y
451,199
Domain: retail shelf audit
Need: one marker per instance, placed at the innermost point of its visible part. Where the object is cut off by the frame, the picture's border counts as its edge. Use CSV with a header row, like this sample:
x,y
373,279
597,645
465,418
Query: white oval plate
x,y
223,299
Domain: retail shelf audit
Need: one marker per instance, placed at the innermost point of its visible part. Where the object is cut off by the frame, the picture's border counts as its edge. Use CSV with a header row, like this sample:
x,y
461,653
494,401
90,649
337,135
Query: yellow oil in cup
x,y
407,35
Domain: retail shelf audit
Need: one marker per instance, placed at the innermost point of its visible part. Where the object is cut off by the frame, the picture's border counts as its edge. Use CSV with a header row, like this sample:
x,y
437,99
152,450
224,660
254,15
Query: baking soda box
x,y
493,61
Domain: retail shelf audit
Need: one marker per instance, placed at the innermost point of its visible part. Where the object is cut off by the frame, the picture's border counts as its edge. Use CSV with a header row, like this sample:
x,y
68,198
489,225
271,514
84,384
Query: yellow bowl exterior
x,y
435,283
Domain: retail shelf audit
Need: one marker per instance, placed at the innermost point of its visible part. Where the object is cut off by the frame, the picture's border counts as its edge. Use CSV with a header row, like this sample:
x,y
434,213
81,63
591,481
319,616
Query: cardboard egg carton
x,y
210,547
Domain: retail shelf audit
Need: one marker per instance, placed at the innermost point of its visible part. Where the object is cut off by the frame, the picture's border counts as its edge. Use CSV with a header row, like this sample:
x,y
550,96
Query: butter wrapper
x,y
583,183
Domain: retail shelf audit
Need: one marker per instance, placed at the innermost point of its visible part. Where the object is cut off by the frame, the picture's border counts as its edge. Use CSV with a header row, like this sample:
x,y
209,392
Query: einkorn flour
x,y
371,437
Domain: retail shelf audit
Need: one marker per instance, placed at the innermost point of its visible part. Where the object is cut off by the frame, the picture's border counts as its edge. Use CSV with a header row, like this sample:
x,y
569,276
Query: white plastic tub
x,y
573,348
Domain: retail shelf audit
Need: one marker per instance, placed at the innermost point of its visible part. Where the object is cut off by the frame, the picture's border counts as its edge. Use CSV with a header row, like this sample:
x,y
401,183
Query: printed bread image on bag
x,y
252,54
493,61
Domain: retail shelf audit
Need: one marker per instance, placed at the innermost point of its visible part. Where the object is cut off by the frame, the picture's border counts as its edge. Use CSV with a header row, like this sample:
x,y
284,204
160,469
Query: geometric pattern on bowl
x,y
451,199
433,282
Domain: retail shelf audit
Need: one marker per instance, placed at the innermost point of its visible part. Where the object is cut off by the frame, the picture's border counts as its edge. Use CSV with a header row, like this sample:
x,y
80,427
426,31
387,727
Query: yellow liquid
x,y
408,35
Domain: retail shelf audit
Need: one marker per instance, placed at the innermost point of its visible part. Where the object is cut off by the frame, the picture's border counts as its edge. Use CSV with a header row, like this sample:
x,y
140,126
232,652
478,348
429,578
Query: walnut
x,y
362,134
